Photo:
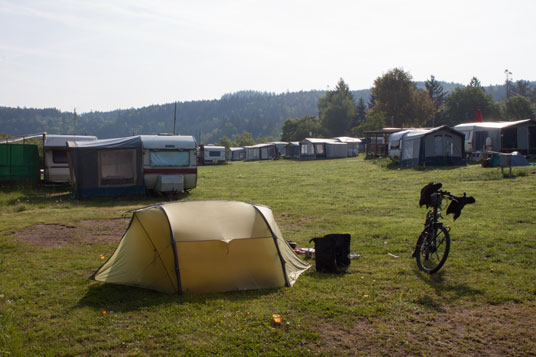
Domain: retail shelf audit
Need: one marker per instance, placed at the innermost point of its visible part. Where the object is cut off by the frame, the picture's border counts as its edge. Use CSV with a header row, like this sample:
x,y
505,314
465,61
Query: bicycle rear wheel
x,y
433,249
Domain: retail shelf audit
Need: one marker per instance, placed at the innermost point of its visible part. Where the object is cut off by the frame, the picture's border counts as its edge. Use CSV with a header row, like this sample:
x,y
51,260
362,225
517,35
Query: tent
x,y
108,167
441,146
202,246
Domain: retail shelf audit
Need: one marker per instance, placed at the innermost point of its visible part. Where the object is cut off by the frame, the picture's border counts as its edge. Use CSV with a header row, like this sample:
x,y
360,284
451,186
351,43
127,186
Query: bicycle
x,y
433,245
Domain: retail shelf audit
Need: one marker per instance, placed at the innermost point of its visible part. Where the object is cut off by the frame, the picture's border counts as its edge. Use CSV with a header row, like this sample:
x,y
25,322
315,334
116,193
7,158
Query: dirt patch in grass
x,y
492,330
98,231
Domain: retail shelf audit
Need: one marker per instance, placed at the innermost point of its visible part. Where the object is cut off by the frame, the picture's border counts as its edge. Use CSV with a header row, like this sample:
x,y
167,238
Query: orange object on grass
x,y
277,319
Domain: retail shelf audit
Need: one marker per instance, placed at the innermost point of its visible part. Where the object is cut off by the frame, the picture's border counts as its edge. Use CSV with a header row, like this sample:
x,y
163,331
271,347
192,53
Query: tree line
x,y
250,116
397,101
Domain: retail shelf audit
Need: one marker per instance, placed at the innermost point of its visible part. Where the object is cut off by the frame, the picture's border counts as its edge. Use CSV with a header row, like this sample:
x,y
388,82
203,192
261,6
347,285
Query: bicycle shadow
x,y
443,289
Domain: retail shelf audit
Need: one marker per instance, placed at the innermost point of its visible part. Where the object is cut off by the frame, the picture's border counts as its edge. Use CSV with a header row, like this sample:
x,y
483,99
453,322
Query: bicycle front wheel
x,y
433,250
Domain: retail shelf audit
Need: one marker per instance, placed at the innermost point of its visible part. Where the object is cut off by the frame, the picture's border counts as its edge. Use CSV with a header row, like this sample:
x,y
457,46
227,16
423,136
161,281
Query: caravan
x,y
499,136
169,162
56,165
441,146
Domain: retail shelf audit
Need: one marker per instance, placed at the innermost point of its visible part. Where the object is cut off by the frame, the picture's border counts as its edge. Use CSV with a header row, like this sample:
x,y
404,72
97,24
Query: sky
x,y
102,55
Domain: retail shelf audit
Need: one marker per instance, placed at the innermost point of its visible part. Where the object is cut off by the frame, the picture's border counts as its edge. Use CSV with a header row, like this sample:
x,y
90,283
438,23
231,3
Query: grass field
x,y
482,302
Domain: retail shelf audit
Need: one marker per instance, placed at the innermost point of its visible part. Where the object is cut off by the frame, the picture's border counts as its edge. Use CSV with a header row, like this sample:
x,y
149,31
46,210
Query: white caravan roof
x,y
168,141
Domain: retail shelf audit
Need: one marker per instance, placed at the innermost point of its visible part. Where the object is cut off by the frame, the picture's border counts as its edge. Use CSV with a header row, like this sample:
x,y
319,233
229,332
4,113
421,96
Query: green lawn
x,y
483,301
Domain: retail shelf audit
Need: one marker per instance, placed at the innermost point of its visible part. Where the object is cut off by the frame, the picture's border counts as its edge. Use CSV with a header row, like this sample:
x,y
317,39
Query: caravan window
x,y
319,148
59,156
214,153
117,167
170,158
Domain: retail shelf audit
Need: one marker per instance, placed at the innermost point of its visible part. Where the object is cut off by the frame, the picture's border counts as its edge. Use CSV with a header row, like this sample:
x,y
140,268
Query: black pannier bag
x,y
332,253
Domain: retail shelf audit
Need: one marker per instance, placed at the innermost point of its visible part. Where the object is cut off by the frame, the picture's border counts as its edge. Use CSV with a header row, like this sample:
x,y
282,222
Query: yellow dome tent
x,y
202,246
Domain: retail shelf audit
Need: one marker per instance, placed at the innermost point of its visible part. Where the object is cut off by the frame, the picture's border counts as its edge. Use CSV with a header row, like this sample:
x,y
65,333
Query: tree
x,y
435,92
225,141
475,83
399,100
373,121
301,128
518,108
371,102
462,104
360,113
336,110
422,109
265,139
244,139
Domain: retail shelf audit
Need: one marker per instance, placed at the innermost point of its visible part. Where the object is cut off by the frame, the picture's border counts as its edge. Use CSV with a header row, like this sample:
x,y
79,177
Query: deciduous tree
x,y
400,101
462,104
518,107
301,128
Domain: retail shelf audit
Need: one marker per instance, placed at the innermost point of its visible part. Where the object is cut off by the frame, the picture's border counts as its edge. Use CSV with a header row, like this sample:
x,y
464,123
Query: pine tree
x,y
435,92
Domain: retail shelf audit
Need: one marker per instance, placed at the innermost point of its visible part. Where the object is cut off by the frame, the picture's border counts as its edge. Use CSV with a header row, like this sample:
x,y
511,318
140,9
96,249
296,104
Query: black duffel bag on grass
x,y
332,253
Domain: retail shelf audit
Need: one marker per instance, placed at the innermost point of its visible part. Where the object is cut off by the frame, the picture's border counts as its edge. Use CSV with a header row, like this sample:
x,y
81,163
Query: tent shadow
x,y
119,298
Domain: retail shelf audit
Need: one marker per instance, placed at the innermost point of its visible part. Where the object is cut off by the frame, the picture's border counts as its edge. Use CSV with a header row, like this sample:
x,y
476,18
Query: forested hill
x,y
261,114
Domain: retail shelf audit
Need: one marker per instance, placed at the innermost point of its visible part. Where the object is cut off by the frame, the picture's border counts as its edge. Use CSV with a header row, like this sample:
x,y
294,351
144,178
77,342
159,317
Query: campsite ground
x,y
483,302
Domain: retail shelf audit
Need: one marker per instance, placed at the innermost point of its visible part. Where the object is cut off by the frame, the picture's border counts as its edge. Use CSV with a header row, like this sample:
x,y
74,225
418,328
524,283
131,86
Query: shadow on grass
x,y
120,298
48,194
448,291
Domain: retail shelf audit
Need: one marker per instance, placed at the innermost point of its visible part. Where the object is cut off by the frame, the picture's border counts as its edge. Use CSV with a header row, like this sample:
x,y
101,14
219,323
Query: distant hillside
x,y
262,114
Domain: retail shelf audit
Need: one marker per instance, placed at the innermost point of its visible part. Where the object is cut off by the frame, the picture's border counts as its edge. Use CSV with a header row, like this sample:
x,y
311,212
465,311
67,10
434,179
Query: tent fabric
x,y
59,141
441,146
19,162
203,246
109,167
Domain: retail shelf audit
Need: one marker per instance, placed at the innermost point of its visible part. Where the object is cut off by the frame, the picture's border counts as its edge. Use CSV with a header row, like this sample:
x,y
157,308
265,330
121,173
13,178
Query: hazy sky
x,y
109,54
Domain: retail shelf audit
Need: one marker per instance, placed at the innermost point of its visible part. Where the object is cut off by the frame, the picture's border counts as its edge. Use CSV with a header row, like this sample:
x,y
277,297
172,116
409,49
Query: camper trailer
x,y
499,136
292,151
441,146
211,154
55,163
266,151
169,162
313,149
352,143
237,154
394,147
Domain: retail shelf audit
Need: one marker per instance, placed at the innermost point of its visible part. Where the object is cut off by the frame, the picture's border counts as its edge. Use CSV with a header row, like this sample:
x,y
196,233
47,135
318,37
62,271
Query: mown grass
x,y
48,307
